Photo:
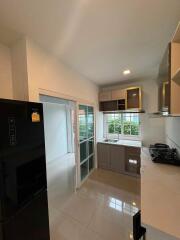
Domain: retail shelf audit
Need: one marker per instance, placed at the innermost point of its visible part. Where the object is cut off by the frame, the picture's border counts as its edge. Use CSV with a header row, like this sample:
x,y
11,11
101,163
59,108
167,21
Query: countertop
x,y
129,143
160,195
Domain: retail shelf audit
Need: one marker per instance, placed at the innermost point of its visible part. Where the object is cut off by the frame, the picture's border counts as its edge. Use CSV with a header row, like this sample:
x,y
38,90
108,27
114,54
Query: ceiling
x,y
100,38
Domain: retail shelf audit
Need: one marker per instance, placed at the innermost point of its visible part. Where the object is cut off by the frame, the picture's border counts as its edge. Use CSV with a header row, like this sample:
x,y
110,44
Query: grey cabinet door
x,y
133,160
103,155
117,158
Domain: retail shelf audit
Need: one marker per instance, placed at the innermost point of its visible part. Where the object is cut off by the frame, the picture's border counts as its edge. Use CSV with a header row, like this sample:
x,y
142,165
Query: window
x,y
123,125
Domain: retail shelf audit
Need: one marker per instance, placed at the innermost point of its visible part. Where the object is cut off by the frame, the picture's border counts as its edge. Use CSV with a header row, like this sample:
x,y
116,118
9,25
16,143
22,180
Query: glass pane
x,y
84,170
110,117
111,127
90,130
90,122
90,115
83,151
127,129
86,133
91,163
126,118
91,146
135,118
118,128
124,124
116,116
134,129
82,122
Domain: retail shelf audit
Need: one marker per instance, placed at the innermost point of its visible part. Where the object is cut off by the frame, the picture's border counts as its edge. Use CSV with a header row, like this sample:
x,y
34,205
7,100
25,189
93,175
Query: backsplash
x,y
173,133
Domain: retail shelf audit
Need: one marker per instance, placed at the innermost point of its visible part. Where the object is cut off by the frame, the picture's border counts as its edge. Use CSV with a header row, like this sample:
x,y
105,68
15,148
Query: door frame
x,y
78,101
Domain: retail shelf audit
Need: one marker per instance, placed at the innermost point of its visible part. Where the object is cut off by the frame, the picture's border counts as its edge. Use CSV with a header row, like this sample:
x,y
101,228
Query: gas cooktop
x,y
162,153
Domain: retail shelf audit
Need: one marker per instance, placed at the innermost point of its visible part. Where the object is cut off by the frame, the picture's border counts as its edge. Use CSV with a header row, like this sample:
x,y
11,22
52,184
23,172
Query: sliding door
x,y
86,140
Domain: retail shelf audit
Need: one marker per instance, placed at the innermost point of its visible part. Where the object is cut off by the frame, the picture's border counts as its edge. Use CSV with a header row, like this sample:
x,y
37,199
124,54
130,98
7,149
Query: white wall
x,y
5,73
55,126
152,129
19,70
46,72
173,132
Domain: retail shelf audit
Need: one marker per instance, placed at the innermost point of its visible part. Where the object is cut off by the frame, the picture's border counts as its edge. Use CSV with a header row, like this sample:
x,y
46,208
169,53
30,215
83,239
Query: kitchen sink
x,y
111,140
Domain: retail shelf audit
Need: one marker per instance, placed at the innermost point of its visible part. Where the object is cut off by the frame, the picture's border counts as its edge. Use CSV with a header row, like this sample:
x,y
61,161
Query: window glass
x,y
84,170
124,124
86,139
82,122
91,146
91,163
83,151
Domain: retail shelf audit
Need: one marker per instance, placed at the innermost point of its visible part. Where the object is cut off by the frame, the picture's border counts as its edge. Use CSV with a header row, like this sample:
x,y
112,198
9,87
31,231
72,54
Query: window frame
x,y
122,136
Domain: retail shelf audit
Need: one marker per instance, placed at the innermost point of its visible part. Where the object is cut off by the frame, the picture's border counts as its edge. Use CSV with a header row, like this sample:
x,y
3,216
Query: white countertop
x,y
129,143
160,195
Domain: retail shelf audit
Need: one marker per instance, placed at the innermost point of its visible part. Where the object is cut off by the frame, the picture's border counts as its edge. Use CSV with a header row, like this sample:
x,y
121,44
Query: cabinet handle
x,y
132,161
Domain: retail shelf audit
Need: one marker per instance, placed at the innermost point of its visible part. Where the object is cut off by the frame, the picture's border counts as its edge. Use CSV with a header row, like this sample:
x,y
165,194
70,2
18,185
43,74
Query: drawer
x,y
133,150
132,163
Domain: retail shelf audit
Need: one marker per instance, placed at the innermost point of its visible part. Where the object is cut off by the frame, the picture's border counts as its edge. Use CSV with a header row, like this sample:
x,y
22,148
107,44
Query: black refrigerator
x,y
23,184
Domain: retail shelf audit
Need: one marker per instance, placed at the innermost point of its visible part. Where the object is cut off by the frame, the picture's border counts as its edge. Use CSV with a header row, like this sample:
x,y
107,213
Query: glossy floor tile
x,y
61,182
101,209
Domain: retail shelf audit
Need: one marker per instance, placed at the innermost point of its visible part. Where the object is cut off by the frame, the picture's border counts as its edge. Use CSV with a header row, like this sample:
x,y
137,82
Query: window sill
x,y
115,136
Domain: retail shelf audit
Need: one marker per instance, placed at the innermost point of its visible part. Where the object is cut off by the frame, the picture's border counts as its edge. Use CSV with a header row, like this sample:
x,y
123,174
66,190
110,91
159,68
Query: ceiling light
x,y
134,204
126,72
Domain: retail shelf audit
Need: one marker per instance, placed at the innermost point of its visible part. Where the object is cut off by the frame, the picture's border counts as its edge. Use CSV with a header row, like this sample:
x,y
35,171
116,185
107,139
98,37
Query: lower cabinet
x,y
119,158
132,160
103,156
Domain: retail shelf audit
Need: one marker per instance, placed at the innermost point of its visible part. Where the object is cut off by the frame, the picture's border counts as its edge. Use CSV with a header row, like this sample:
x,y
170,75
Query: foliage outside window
x,y
123,125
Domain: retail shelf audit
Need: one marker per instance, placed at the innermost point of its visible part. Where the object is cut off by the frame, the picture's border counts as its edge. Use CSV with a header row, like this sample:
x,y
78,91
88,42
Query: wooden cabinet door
x,y
105,96
117,158
109,106
118,94
133,98
175,86
103,155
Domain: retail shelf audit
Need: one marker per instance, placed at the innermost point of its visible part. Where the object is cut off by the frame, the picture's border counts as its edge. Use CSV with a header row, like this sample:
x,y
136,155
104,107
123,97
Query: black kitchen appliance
x,y
162,153
139,232
23,186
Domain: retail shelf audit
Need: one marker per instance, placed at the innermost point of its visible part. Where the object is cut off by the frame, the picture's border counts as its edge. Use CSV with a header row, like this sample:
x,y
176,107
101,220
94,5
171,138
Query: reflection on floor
x,y
102,209
60,180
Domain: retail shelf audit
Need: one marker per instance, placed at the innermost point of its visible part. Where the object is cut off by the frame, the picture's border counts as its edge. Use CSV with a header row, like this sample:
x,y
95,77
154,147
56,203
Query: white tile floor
x,y
102,209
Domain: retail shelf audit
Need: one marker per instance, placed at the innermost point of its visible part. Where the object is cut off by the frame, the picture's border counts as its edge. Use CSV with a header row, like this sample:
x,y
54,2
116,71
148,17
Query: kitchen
x,y
110,106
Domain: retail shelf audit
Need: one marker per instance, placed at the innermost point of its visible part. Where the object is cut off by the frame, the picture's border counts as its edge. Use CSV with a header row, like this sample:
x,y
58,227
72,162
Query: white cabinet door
x,y
105,96
118,94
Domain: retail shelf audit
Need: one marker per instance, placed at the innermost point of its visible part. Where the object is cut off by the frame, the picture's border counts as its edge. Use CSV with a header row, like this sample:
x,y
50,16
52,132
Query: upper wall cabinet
x,y
133,99
169,77
128,99
175,74
175,78
164,96
105,96
118,94
164,82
